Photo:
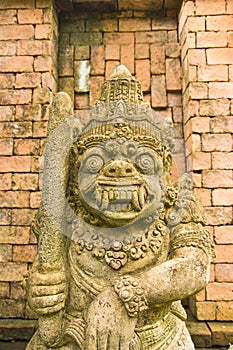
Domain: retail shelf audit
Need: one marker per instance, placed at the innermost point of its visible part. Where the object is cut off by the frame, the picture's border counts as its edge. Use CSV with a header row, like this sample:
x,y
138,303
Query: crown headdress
x,y
121,112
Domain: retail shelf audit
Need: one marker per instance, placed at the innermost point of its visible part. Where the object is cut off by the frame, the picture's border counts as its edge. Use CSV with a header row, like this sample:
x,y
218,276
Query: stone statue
x,y
119,245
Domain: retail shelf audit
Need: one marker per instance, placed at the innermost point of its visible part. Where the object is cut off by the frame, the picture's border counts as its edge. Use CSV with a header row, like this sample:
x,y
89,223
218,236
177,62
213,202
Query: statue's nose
x,y
119,168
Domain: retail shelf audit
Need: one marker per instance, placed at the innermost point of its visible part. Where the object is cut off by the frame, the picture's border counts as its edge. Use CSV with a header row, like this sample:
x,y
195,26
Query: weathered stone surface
x,y
112,228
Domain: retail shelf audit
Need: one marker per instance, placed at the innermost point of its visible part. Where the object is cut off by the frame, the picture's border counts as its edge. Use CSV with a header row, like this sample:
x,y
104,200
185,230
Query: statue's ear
x,y
61,110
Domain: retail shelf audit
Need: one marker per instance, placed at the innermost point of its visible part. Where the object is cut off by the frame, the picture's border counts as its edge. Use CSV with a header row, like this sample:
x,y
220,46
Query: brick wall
x,y
206,37
28,80
92,45
187,77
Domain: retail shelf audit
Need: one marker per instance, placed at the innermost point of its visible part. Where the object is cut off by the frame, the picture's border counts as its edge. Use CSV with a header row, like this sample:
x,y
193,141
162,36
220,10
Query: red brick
x,y
48,81
173,74
157,54
25,182
24,253
95,86
17,4
5,181
143,73
208,7
172,36
12,97
201,161
216,142
40,129
220,56
173,50
224,254
14,199
7,48
112,52
29,47
27,147
118,38
97,25
195,24
35,199
81,101
23,217
12,308
211,39
230,39
12,271
16,291
35,164
215,107
5,252
125,5
28,112
110,67
66,61
31,16
8,17
141,51
97,60
127,57
6,147
200,124
164,23
197,57
217,178
221,124
223,234
43,31
16,32
15,164
28,80
222,160
222,332
7,81
198,90
204,195
41,95
43,64
134,24
16,64
159,37
174,99
213,73
224,22
17,129
223,196
218,215
205,310
224,272
220,291
225,312
4,290
158,91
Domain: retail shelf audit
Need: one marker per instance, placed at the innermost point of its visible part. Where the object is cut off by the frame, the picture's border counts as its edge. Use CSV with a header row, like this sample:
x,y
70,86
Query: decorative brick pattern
x,y
205,33
28,67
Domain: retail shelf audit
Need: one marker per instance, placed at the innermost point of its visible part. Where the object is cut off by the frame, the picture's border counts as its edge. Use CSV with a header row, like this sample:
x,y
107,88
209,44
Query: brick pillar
x,y
28,79
206,37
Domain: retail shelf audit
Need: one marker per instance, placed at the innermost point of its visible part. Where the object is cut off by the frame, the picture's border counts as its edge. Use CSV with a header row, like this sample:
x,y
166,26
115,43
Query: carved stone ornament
x,y
119,245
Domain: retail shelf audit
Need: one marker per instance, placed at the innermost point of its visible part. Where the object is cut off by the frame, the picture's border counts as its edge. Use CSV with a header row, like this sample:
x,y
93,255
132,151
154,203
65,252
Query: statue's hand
x,y
108,325
46,292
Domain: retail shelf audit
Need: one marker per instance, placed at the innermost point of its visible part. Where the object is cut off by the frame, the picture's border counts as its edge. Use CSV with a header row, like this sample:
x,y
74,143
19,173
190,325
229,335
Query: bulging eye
x,y
94,163
146,163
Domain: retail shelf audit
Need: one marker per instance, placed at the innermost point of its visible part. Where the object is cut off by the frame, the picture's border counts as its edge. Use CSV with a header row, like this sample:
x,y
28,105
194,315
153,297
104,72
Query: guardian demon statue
x,y
119,244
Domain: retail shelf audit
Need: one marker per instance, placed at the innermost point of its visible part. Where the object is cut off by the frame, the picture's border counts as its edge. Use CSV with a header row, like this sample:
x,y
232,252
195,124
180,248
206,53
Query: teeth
x,y
121,200
142,196
135,202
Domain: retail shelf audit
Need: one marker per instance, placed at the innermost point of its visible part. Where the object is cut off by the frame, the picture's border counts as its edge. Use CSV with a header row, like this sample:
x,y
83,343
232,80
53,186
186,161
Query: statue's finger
x,y
40,279
91,339
46,301
102,340
50,310
38,291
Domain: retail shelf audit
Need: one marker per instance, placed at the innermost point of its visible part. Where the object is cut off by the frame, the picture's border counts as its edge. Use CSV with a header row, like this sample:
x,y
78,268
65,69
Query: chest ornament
x,y
117,253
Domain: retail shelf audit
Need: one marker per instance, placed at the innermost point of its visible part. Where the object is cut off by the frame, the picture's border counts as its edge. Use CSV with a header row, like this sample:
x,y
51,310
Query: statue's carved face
x,y
121,181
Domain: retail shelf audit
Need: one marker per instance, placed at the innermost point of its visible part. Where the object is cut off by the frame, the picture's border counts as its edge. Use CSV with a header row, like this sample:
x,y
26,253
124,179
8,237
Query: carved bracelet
x,y
131,294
